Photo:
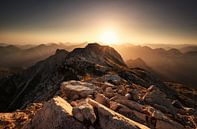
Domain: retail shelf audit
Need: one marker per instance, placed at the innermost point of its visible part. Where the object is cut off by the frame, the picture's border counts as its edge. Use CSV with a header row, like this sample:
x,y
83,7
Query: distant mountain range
x,y
176,64
171,64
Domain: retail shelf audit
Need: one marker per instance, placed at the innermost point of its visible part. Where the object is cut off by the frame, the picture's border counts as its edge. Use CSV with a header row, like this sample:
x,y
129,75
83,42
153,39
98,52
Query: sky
x,y
118,21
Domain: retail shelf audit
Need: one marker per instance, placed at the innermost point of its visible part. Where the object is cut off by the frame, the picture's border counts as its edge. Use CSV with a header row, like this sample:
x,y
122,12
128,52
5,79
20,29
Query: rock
x,y
177,104
101,68
77,113
76,89
109,119
118,97
135,94
154,97
113,79
102,99
109,90
161,120
91,127
84,112
56,113
113,105
131,104
168,125
132,114
154,113
128,96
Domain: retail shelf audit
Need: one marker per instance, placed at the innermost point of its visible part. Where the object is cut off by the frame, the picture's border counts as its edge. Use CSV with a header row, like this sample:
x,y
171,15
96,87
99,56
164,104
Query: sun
x,y
109,37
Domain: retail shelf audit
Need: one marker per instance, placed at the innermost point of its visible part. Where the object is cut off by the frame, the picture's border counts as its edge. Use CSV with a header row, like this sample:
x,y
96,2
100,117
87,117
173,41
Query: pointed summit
x,y
96,54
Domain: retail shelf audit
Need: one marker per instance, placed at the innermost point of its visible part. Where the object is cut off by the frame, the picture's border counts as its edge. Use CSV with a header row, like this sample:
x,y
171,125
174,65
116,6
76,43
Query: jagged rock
x,y
113,105
161,120
102,99
161,124
77,89
57,113
177,104
109,90
128,96
132,114
113,78
96,54
109,119
135,93
131,104
154,113
83,112
157,98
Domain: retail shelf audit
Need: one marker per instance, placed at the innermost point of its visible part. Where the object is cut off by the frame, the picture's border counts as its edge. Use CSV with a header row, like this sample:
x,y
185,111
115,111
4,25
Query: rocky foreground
x,y
94,89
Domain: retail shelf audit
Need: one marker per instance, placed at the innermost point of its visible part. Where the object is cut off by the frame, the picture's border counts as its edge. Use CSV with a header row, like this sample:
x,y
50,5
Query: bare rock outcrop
x,y
84,111
109,119
57,113
77,89
158,99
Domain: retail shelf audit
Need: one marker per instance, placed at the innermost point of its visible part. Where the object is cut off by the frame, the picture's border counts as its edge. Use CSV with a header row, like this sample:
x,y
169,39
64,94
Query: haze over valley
x,y
98,64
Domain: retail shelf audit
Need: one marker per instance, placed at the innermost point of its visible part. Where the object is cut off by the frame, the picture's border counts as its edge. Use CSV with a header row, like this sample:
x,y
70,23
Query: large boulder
x,y
55,114
109,119
77,89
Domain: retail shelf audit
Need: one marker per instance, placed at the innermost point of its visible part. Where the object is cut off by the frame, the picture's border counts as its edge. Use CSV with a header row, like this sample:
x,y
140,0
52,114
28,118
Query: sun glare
x,y
109,37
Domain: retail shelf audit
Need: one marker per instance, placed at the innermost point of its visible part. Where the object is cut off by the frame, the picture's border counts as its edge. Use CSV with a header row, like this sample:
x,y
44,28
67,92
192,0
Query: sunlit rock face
x,y
98,91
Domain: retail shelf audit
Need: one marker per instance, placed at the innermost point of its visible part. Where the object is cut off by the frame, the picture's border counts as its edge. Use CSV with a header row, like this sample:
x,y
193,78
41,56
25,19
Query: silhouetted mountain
x,y
138,63
9,49
188,49
171,65
12,56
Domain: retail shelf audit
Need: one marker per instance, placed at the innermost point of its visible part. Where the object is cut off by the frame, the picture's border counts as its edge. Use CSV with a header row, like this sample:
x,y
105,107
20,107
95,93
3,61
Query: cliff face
x,y
95,90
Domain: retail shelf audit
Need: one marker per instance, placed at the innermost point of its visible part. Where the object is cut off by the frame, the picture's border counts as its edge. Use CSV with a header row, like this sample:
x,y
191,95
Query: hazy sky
x,y
137,21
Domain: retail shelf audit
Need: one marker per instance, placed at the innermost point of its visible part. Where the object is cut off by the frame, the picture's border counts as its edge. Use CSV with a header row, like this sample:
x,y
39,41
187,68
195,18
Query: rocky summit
x,y
92,88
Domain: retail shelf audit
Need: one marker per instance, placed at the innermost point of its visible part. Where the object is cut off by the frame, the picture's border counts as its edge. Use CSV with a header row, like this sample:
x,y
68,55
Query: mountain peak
x,y
96,54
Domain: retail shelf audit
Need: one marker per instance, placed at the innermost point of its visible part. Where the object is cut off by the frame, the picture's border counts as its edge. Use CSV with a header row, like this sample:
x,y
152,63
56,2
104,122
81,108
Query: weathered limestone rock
x,y
132,114
128,96
77,89
109,119
131,104
83,112
161,120
155,97
102,99
168,125
113,105
55,114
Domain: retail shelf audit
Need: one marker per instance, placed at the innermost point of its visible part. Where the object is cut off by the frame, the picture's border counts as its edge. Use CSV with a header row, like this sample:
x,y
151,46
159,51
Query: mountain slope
x,y
96,90
41,77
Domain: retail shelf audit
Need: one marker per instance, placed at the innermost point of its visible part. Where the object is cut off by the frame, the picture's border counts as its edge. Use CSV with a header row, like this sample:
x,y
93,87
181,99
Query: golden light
x,y
109,37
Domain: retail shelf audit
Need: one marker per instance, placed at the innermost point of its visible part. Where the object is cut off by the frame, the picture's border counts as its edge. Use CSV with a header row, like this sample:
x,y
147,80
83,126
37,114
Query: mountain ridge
x,y
88,85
